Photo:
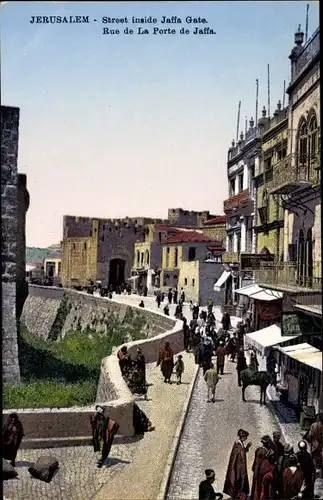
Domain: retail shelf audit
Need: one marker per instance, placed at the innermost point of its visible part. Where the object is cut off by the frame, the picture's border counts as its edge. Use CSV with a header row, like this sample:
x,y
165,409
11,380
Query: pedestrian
x,y
315,438
206,491
258,469
103,433
307,465
166,310
158,299
236,481
234,346
175,296
220,358
211,378
284,462
141,304
170,296
166,361
179,368
196,310
141,366
182,295
12,435
207,352
278,446
226,322
241,365
266,477
292,480
178,311
145,291
162,297
254,364
124,358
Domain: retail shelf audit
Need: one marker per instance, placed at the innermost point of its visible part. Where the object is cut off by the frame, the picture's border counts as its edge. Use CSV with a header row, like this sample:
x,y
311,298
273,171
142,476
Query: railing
x,y
311,49
296,168
231,257
237,200
285,275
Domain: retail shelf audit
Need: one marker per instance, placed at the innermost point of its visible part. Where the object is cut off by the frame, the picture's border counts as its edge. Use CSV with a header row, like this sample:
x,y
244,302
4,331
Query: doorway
x,y
116,272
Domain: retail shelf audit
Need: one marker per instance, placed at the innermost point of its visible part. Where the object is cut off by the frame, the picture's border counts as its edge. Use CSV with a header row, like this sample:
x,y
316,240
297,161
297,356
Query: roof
x,y
168,229
267,337
218,219
304,353
258,293
191,237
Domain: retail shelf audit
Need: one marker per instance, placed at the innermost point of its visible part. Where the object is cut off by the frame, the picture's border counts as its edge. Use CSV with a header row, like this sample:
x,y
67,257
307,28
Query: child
x,y
179,368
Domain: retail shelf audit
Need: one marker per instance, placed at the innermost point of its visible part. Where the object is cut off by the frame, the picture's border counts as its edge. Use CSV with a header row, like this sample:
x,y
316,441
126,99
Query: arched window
x,y
176,257
138,257
302,143
191,253
313,137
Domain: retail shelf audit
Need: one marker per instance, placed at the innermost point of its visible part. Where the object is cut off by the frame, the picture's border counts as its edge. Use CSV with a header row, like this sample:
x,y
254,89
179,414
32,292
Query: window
x,y
160,237
240,182
142,258
313,137
268,163
73,246
185,281
230,243
193,282
138,257
232,187
167,256
191,253
147,257
238,243
176,257
302,143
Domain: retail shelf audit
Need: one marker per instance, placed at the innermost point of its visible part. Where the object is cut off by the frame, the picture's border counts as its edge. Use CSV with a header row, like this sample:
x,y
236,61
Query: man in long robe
x,y
103,433
220,358
166,362
292,480
12,434
315,437
306,462
236,481
260,466
141,365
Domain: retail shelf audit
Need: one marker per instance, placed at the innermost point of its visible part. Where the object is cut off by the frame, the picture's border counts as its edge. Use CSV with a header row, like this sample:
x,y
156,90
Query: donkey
x,y
261,379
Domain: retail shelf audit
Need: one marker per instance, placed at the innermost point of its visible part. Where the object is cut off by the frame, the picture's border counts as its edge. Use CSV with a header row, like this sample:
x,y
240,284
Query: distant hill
x,y
34,254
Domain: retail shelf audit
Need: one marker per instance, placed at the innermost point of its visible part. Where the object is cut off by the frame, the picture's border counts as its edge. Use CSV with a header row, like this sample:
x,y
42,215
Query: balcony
x,y
295,172
231,257
284,277
236,201
310,51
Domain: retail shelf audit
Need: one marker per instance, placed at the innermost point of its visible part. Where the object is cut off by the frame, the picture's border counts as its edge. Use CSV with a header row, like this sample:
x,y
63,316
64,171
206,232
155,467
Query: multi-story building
x,y
239,208
104,249
216,228
296,187
191,262
269,217
100,249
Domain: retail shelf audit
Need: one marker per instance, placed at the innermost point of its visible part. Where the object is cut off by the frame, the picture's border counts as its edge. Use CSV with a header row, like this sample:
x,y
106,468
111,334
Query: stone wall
x,y
66,423
9,220
50,310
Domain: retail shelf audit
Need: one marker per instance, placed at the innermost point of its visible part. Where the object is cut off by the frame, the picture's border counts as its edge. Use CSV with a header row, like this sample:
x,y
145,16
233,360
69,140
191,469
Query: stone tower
x,y
9,219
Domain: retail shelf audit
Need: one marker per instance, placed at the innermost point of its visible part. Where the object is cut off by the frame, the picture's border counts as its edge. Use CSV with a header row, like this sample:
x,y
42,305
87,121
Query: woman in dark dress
x,y
12,434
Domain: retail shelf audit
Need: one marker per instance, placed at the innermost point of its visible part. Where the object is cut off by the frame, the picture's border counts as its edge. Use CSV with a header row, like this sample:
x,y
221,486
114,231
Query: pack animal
x,y
260,379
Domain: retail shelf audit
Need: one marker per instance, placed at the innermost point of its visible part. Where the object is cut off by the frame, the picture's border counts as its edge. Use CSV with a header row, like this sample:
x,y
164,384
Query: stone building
x,y
104,249
15,202
239,208
296,186
216,228
192,262
269,217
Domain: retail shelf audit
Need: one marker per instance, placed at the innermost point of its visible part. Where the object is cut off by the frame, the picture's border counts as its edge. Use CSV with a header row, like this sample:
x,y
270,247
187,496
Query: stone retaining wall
x,y
113,392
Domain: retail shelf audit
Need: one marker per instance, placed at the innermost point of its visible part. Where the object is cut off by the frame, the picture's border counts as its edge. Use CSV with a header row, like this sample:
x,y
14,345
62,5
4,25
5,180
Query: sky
x,y
131,125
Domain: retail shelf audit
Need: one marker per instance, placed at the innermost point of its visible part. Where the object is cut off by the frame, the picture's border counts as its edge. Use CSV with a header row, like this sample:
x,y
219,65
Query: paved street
x,y
210,431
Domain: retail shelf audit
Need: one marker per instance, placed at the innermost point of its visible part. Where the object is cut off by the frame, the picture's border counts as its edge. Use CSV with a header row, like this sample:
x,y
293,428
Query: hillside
x,y
34,254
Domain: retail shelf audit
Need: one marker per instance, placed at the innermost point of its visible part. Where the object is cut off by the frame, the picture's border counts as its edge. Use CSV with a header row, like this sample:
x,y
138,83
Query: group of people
x,y
279,473
173,297
133,370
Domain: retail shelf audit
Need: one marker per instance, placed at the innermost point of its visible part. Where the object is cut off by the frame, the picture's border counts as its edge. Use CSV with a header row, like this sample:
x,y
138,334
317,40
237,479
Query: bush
x,y
60,374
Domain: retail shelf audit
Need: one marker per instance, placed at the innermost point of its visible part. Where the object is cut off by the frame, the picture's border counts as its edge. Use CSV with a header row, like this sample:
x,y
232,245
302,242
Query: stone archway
x,y
116,272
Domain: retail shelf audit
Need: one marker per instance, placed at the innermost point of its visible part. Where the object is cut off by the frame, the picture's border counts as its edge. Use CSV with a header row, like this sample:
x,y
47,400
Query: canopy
x,y
304,353
258,293
267,337
221,281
